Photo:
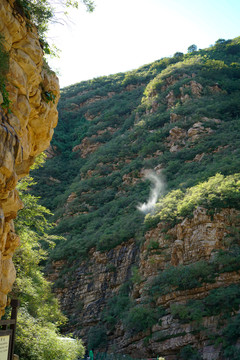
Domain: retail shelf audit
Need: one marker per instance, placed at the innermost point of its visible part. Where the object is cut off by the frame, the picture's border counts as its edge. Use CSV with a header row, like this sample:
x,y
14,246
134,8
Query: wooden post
x,y
15,305
8,328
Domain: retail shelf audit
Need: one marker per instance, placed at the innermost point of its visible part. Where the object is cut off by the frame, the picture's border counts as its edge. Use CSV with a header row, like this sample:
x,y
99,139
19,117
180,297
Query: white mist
x,y
156,190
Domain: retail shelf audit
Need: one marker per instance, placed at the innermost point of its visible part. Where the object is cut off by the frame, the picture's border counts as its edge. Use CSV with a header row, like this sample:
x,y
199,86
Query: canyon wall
x,y
165,284
92,284
26,126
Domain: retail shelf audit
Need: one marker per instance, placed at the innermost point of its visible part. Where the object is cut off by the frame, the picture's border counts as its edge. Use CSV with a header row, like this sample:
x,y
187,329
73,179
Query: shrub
x,y
140,318
38,341
116,308
232,331
224,300
182,277
189,353
229,337
192,311
217,192
153,245
228,260
97,337
136,277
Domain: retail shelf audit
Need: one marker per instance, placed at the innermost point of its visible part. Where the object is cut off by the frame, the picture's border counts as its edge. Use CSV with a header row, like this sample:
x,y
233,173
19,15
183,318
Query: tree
x,y
39,313
220,41
42,12
192,48
178,54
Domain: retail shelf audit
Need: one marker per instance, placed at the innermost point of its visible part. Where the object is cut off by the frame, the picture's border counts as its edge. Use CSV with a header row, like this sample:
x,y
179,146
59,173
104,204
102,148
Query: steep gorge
x,y
27,122
166,284
96,281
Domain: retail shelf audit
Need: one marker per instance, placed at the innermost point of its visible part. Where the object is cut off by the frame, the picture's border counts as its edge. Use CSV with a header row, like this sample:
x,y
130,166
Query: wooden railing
x,y
8,332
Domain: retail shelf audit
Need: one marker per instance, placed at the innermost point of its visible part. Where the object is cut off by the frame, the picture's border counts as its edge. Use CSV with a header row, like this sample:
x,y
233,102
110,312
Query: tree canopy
x,y
39,313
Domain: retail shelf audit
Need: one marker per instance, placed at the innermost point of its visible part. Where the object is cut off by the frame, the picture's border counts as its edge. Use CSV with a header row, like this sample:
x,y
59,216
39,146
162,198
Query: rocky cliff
x,y
165,283
26,125
87,293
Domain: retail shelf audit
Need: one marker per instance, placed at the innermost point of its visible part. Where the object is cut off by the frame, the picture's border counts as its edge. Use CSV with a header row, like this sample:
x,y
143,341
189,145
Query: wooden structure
x,y
8,332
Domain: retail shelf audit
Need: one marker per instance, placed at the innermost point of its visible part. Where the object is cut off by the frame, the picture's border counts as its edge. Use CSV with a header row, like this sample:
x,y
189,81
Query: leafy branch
x,y
43,12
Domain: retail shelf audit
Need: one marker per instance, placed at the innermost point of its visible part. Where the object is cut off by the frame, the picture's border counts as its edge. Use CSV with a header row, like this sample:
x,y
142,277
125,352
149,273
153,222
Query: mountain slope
x,y
177,121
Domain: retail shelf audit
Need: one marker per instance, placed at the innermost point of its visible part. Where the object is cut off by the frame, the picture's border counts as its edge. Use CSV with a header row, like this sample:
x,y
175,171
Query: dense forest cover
x,y
178,118
112,128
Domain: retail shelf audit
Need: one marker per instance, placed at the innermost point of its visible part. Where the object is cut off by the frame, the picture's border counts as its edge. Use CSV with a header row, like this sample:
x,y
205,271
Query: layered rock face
x,y
95,281
85,295
25,129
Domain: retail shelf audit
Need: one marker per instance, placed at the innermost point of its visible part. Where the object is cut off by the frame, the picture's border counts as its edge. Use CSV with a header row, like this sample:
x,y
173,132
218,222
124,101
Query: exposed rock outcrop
x,y
26,130
178,137
96,280
89,145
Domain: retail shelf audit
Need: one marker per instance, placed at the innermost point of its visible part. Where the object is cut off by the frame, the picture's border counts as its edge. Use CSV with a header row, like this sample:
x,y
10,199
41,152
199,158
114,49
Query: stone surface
x,y
178,137
97,279
89,145
25,131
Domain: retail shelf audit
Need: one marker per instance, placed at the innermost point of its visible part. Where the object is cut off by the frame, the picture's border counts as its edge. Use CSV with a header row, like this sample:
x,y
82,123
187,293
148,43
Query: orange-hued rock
x,y
178,137
189,241
89,145
97,279
86,147
25,131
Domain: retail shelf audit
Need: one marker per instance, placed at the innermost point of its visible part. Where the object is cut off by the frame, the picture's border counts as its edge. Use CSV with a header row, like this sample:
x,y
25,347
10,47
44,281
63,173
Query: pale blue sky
x,y
122,35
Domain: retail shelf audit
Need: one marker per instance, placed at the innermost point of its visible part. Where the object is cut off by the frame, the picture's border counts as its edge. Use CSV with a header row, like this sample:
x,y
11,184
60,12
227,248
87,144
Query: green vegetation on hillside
x,y
179,116
214,194
39,317
126,120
